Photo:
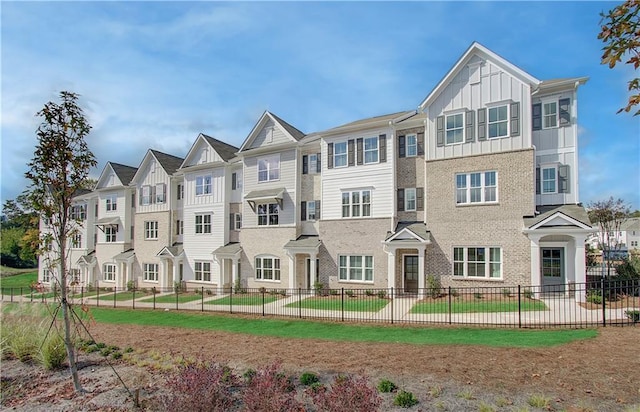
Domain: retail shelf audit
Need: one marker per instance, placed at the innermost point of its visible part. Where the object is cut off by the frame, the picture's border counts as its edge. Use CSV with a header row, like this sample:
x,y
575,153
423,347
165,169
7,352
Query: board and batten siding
x,y
377,177
217,187
478,86
288,170
123,212
154,175
270,134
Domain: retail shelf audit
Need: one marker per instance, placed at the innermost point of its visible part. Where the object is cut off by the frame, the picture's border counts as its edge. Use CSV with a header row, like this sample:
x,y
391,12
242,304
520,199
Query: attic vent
x,y
474,72
269,135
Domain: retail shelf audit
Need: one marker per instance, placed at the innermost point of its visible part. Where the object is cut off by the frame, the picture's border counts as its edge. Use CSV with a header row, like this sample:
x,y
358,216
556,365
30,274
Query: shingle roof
x,y
297,134
417,228
225,150
168,162
125,173
382,118
633,223
304,241
576,212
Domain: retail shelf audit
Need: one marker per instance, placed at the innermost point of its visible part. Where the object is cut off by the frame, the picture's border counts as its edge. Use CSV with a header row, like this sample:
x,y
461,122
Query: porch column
x,y
163,276
391,267
421,276
234,271
312,268
580,267
220,276
536,278
292,269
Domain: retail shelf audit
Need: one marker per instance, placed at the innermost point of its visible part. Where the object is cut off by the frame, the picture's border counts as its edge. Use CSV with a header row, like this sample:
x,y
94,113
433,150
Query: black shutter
x,y
420,143
305,164
350,154
400,199
401,146
303,211
515,119
140,197
482,124
330,156
153,194
538,181
234,181
231,222
318,163
419,198
565,112
470,126
536,116
563,179
382,147
317,210
359,151
440,131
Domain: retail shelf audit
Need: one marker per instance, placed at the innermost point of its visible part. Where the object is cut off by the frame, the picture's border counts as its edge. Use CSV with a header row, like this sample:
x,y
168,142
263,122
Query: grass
x,y
351,305
345,332
240,300
120,296
21,280
182,298
478,306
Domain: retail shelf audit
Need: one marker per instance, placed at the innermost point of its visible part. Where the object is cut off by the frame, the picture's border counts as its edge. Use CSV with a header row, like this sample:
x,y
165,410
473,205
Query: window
x,y
549,180
455,128
79,212
109,272
145,197
268,214
236,181
237,217
549,115
161,194
46,276
311,210
151,230
180,191
203,223
313,163
110,233
410,199
371,150
75,275
76,241
356,204
479,187
340,154
269,169
356,268
150,272
179,227
203,271
473,262
111,203
498,121
268,268
412,145
203,185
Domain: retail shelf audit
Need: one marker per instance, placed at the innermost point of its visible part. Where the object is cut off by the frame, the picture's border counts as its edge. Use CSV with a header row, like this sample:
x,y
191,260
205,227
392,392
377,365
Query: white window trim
x,y
203,224
483,188
311,204
146,195
544,115
407,145
273,268
161,193
151,233
107,236
360,204
508,120
111,203
269,160
365,151
237,219
312,167
487,264
555,178
76,241
147,272
406,199
206,187
202,271
363,268
446,116
104,272
346,155
268,214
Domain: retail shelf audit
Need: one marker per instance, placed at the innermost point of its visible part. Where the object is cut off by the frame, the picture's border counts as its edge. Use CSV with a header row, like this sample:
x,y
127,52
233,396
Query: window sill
x,y
356,282
478,204
471,278
267,280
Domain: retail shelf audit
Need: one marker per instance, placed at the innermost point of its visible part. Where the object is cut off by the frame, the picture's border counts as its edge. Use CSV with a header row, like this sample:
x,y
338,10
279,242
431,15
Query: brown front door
x,y
410,267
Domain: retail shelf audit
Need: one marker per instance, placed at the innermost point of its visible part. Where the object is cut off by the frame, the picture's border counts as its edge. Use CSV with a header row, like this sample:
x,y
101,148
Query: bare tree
x,y
610,215
60,166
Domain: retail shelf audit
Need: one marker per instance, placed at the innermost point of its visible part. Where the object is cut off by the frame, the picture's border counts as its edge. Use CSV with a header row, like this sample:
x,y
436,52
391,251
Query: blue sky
x,y
154,75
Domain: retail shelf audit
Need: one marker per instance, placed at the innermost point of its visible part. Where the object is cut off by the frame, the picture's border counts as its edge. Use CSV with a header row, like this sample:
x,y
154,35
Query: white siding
x,y
270,134
153,174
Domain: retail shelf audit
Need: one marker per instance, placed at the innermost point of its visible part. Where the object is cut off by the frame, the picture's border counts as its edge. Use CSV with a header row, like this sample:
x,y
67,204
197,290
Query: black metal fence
x,y
599,302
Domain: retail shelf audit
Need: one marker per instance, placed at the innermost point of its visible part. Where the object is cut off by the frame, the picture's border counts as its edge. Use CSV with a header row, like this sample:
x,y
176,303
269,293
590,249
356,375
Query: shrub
x,y
454,292
477,295
131,286
506,292
262,289
333,292
248,375
208,292
405,399
594,296
434,286
633,315
538,401
283,293
346,394
270,390
350,293
309,378
53,353
200,387
527,293
369,292
386,386
178,287
116,355
382,294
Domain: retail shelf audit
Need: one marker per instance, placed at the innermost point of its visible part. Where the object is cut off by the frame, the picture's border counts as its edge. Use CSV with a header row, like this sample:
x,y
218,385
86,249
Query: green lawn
x,y
40,296
335,331
120,296
22,280
182,298
477,306
240,300
372,304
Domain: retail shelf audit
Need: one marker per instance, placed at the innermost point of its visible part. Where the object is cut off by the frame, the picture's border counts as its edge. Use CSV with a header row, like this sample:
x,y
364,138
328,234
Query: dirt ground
x,y
591,375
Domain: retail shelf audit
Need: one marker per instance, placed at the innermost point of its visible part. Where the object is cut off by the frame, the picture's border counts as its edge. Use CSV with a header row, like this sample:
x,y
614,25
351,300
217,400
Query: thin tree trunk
x,y
68,342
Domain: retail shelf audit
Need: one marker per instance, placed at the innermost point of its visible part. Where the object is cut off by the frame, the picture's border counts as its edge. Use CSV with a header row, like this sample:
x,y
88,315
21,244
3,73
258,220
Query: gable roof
x,y
375,121
291,132
479,50
225,150
125,173
575,214
169,163
414,231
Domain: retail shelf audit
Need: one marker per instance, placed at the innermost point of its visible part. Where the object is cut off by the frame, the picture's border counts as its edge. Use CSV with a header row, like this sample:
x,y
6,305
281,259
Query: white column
x,y
234,271
580,267
312,269
421,278
163,275
536,278
292,270
175,270
391,267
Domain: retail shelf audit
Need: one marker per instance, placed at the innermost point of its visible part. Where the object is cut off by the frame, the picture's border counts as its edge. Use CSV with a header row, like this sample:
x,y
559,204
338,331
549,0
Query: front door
x,y
552,268
410,267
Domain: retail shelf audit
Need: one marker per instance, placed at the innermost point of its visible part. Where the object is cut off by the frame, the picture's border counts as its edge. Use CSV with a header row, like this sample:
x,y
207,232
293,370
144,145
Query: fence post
x,y
342,305
449,302
604,309
98,296
133,302
300,303
231,302
392,303
176,292
263,291
201,298
115,293
519,308
153,290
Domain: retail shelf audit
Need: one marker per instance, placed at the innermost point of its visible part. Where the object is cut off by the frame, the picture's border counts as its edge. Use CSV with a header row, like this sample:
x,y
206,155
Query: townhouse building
x,y
478,187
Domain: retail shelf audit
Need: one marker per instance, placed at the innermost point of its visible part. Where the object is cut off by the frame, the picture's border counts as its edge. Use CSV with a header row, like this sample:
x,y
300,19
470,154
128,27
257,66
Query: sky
x,y
156,74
